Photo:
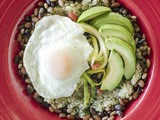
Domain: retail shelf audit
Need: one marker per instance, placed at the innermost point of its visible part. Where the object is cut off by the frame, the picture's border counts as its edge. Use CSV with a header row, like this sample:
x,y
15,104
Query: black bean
x,y
141,41
53,4
138,35
23,47
20,61
26,36
26,40
21,26
28,18
27,31
79,1
119,113
123,11
64,109
37,98
23,76
48,2
105,113
45,104
30,89
119,107
16,59
142,64
116,9
139,89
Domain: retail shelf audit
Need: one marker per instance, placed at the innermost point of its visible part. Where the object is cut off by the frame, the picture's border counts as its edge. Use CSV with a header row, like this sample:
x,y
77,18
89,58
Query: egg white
x,y
56,33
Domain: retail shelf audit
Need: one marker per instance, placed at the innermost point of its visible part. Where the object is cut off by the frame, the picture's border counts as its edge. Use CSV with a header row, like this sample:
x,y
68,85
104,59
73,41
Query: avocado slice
x,y
112,18
114,72
92,13
126,53
108,30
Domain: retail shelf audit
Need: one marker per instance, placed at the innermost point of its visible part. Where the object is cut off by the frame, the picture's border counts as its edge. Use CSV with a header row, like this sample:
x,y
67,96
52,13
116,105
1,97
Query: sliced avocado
x,y
112,18
108,30
126,53
92,13
114,72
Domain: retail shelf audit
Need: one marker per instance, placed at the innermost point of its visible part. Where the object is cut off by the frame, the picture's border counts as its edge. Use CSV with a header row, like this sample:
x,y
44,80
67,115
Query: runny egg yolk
x,y
59,64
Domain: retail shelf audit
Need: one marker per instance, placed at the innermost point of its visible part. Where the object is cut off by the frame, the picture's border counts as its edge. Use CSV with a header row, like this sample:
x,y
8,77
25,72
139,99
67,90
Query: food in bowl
x,y
83,59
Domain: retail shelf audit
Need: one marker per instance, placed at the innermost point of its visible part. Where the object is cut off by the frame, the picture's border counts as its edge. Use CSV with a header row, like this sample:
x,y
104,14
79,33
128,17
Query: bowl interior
x,y
25,105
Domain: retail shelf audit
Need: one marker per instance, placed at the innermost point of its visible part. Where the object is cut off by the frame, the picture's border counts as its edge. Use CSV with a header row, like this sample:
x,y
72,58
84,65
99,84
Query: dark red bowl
x,y
16,105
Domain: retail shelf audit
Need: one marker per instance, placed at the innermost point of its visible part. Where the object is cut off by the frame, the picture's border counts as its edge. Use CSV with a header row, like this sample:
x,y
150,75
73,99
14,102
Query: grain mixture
x,y
106,104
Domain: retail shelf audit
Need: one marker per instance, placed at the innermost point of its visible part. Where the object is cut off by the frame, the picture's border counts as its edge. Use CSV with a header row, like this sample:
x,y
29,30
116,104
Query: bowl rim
x,y
12,91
